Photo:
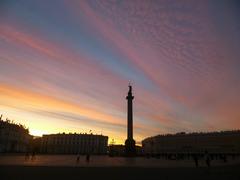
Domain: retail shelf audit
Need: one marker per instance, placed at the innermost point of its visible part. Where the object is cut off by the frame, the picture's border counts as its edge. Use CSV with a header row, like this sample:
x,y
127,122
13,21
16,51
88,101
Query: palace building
x,y
13,137
74,144
212,142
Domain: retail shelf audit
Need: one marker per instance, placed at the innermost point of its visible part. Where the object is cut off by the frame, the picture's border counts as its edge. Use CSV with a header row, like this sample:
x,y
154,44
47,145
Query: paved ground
x,y
104,161
118,173
117,168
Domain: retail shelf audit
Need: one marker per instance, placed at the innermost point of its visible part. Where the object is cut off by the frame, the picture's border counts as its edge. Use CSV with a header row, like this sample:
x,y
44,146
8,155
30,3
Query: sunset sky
x,y
65,65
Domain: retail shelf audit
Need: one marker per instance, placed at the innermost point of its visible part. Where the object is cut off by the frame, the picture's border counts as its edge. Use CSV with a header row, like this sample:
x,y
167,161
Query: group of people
x,y
87,158
206,157
209,157
29,156
207,160
32,156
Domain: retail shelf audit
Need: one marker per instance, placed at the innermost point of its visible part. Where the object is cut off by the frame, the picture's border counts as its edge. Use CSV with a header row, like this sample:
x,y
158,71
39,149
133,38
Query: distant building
x,y
74,144
13,137
35,144
213,142
116,150
119,150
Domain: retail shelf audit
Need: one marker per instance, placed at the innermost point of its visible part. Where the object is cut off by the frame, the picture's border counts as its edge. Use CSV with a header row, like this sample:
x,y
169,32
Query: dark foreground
x,y
118,173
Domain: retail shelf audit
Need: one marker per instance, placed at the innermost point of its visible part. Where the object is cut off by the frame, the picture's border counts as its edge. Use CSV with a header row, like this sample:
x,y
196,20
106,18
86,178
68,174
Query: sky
x,y
65,65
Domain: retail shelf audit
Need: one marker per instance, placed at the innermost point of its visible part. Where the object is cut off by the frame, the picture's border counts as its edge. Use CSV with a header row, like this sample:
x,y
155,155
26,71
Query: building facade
x,y
74,144
120,150
214,142
13,137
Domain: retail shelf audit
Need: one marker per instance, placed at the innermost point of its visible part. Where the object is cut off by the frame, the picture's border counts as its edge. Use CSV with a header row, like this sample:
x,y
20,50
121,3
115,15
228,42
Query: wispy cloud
x,y
74,66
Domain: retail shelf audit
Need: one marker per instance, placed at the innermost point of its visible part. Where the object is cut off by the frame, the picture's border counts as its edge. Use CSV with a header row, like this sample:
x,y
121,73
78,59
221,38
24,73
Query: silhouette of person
x,y
33,156
26,156
195,158
88,158
78,158
208,160
224,158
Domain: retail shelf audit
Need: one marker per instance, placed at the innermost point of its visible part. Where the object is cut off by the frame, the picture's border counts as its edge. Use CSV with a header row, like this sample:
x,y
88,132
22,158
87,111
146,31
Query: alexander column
x,y
130,143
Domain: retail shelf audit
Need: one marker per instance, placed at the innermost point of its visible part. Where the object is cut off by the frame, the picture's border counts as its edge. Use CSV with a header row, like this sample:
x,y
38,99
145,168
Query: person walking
x,y
195,158
208,160
88,158
78,158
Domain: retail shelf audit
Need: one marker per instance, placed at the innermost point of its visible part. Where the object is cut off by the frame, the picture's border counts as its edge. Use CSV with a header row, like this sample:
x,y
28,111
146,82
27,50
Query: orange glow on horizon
x,y
13,98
